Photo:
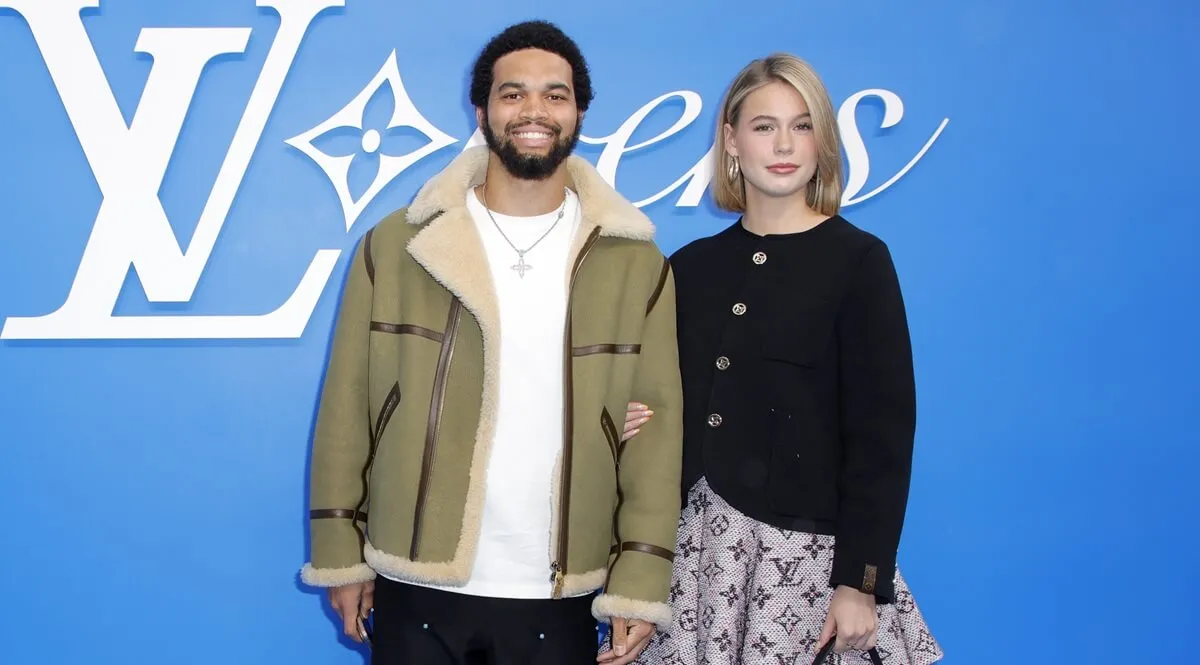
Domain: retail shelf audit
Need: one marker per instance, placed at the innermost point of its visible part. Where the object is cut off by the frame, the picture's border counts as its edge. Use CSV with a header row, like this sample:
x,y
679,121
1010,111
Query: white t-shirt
x,y
513,555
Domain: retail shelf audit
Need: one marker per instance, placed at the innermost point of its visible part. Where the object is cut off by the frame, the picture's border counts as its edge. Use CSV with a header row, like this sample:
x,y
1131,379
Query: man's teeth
x,y
533,135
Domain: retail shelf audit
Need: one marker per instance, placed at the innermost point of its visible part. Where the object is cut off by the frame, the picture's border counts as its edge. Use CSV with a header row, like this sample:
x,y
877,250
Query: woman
x,y
799,404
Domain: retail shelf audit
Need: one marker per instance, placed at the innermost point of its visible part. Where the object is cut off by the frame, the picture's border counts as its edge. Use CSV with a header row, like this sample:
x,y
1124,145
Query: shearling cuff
x,y
607,606
331,577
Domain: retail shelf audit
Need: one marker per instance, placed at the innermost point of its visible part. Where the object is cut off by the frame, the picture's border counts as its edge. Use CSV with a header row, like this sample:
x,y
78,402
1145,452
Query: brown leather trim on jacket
x,y
385,414
662,282
610,433
594,349
367,258
337,513
558,565
646,548
436,403
406,329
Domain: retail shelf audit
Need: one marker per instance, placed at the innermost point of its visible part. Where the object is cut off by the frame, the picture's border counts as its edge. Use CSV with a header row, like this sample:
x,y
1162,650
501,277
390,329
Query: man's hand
x,y
353,604
629,638
852,619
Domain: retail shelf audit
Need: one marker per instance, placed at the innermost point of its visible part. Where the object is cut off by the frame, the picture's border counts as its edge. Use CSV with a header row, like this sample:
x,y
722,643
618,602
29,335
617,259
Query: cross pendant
x,y
521,267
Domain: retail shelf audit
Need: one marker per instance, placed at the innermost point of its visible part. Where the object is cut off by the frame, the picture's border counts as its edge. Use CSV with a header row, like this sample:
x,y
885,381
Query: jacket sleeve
x,y
342,442
878,422
647,514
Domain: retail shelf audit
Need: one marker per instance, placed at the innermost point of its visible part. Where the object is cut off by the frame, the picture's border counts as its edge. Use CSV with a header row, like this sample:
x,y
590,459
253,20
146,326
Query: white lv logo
x,y
129,163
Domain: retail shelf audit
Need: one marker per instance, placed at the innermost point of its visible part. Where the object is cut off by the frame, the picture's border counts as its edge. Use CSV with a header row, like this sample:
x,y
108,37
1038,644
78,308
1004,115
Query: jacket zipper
x,y
558,566
435,421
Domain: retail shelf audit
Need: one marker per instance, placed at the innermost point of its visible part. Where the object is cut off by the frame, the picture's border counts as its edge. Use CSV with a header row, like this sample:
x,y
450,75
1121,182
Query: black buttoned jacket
x,y
799,396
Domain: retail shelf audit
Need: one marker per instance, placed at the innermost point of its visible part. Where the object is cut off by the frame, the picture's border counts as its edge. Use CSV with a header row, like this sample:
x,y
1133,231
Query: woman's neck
x,y
776,215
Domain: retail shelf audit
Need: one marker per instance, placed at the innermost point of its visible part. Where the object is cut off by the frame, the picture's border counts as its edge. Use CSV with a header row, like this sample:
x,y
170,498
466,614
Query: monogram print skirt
x,y
747,593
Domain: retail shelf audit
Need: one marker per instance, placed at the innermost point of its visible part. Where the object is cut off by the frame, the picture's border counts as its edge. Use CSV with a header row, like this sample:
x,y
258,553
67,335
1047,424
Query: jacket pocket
x,y
385,414
375,434
610,433
800,333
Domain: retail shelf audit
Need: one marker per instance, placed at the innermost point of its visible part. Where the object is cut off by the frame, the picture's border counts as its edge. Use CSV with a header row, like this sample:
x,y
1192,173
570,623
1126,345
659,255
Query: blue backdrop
x,y
180,183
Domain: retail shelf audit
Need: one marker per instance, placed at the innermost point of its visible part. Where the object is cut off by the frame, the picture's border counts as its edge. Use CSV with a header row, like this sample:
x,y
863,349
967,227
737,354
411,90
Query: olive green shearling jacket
x,y
408,404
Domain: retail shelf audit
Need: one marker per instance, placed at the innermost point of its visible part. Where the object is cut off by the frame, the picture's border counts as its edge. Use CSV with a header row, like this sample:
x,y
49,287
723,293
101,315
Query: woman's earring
x,y
734,168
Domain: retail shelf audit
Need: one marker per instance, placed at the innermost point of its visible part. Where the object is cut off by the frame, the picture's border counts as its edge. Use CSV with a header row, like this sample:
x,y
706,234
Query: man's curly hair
x,y
541,35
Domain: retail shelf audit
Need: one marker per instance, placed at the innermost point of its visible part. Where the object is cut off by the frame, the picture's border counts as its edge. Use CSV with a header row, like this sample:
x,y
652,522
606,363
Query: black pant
x,y
418,626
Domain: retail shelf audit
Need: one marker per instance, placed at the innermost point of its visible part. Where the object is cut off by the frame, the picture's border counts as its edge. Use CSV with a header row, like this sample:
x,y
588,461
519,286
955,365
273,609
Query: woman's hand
x,y
852,619
636,415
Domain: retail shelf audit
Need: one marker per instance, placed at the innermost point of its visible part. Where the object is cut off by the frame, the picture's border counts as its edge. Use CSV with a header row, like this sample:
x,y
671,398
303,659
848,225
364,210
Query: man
x,y
469,483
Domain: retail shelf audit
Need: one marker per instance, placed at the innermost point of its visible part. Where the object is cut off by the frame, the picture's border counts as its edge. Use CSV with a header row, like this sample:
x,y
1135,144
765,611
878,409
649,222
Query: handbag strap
x,y
828,648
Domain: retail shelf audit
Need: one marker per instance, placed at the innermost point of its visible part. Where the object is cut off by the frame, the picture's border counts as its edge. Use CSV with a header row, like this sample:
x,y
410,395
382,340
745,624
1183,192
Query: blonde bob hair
x,y
824,192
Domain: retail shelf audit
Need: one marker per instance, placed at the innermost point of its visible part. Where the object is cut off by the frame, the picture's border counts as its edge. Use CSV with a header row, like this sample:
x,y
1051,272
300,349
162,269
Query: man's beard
x,y
531,167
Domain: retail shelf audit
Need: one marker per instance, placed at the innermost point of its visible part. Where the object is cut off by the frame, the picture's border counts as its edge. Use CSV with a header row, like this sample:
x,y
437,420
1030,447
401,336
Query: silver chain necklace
x,y
521,266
